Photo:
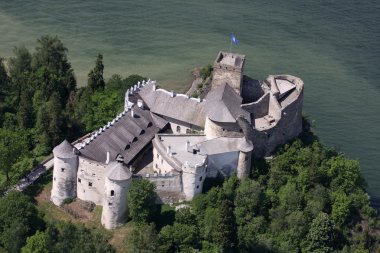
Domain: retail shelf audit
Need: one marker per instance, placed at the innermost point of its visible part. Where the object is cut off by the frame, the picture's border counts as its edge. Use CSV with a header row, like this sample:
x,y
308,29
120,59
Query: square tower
x,y
228,68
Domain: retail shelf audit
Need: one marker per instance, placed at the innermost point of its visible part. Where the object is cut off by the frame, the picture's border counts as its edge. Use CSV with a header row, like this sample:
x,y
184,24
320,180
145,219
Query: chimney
x,y
135,87
132,113
172,94
140,103
168,149
154,85
108,158
199,99
187,145
143,82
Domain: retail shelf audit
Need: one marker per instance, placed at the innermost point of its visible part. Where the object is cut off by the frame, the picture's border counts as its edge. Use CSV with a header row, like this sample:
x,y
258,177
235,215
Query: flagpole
x,y
230,44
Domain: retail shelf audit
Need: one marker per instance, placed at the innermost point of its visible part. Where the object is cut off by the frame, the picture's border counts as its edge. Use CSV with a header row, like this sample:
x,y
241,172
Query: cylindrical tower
x,y
245,157
118,181
212,129
192,179
64,172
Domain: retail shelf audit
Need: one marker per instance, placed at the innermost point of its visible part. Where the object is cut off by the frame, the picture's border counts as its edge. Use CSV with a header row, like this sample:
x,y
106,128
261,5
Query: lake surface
x,y
333,45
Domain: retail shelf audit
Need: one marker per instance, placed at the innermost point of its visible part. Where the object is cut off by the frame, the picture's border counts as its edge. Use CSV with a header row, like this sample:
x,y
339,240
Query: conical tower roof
x,y
245,145
65,150
118,172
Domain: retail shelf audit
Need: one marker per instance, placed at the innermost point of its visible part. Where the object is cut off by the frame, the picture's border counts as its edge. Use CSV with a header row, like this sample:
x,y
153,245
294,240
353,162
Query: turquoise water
x,y
332,45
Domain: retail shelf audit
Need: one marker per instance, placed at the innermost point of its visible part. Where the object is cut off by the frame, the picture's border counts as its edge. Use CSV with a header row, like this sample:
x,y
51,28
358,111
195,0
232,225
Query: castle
x,y
185,139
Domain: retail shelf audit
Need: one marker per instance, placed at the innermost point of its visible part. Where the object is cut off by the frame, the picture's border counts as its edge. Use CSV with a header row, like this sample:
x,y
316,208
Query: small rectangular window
x,y
62,169
109,203
197,186
89,184
79,180
200,179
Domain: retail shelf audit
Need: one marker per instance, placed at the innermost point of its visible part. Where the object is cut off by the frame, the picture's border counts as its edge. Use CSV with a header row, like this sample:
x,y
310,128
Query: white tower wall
x,y
244,164
115,208
192,180
64,179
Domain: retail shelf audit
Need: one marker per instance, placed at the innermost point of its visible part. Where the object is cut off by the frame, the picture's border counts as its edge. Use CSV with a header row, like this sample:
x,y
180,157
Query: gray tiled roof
x,y
223,104
179,107
117,171
64,150
127,136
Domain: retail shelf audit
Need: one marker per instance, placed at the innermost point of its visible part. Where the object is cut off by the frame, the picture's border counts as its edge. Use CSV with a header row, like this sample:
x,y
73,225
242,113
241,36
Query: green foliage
x,y
206,71
321,234
143,238
141,201
37,243
12,147
178,237
18,219
95,77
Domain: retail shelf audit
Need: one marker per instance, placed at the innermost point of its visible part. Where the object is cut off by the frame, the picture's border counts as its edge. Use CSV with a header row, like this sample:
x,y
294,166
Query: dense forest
x,y
40,104
308,198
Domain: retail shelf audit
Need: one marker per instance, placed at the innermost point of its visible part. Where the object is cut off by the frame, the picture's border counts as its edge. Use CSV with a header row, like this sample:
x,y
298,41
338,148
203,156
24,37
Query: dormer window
x,y
127,147
134,139
150,124
142,132
62,169
178,129
112,193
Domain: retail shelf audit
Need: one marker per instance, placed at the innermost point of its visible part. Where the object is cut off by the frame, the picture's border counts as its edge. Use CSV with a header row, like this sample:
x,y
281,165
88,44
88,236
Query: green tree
x,y
4,79
19,70
143,238
37,243
223,232
141,201
25,110
321,234
19,218
178,238
95,77
50,62
12,147
54,111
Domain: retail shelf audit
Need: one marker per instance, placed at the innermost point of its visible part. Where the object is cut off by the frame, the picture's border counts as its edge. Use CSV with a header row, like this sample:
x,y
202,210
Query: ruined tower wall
x,y
218,129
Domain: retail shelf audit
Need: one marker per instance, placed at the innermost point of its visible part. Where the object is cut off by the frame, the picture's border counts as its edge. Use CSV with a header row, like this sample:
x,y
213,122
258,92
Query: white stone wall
x,y
64,179
244,164
115,206
192,180
160,165
90,182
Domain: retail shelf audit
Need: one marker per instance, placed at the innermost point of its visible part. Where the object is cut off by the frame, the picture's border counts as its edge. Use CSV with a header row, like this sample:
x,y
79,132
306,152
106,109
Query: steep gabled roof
x,y
223,104
179,107
126,136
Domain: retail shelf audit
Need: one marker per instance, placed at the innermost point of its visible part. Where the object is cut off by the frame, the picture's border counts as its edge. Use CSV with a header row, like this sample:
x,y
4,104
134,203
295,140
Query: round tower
x,y
192,179
245,157
118,181
64,172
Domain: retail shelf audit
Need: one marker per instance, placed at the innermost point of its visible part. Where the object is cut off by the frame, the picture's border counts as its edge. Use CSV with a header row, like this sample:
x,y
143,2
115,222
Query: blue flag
x,y
233,39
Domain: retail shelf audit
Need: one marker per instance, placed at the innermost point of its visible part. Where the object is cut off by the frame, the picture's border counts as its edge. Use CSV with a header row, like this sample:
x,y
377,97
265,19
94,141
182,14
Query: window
x,y
90,184
112,193
158,156
127,147
156,166
162,161
79,180
200,179
150,124
142,132
178,129
62,169
134,139
197,186
54,178
109,204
